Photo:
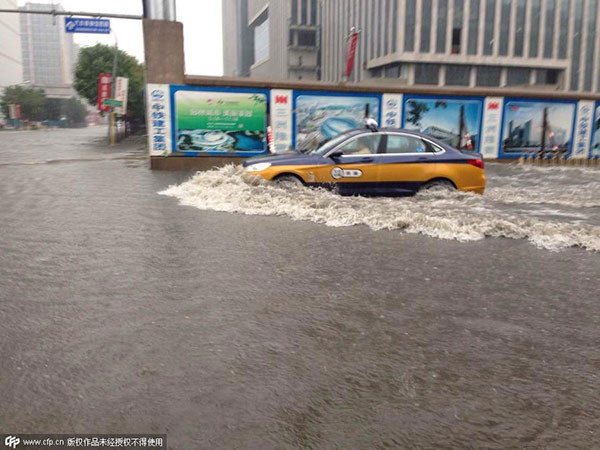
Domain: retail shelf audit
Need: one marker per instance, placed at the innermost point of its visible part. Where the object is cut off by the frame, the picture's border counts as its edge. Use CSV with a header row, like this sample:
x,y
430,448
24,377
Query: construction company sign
x,y
281,119
492,119
158,119
391,111
583,129
121,94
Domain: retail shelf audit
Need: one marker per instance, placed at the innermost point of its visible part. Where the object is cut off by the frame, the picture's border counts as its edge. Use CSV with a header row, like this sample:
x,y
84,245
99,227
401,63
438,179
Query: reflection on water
x,y
553,208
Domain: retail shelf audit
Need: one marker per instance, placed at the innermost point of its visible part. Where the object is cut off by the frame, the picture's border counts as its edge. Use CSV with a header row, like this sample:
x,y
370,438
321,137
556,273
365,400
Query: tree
x,y
416,110
32,101
99,59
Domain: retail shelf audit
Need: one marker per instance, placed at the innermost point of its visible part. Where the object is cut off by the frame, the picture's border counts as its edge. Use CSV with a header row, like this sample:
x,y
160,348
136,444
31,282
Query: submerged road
x,y
122,311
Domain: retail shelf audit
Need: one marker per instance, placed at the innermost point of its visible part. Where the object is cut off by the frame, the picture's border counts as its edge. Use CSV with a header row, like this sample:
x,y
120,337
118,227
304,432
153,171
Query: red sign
x,y
104,82
493,105
351,54
281,99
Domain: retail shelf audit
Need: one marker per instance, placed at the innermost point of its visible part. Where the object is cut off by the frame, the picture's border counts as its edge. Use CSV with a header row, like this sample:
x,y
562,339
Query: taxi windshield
x,y
333,142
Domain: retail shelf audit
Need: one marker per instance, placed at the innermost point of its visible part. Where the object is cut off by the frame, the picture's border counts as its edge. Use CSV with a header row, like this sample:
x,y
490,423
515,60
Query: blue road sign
x,y
87,25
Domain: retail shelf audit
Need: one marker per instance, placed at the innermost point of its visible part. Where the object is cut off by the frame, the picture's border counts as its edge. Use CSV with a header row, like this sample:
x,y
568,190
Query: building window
x,y
440,45
488,76
473,27
427,73
386,33
303,11
380,29
534,27
488,34
457,75
549,31
307,38
592,18
392,71
261,37
547,76
313,12
394,24
457,26
294,12
516,76
425,26
409,26
575,58
563,38
504,27
520,28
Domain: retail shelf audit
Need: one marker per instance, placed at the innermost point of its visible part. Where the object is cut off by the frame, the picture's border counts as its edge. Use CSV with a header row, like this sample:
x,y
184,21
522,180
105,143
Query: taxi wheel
x,y
439,185
289,180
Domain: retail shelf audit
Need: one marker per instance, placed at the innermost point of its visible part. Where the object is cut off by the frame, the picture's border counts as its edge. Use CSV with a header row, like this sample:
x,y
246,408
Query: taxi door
x,y
356,171
405,164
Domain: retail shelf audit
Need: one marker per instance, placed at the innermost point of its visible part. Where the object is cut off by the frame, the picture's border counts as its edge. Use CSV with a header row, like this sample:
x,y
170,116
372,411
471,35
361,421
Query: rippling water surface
x,y
551,207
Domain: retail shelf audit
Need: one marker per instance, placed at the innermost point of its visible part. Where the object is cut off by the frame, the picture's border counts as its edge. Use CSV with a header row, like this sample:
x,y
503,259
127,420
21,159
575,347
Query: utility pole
x,y
544,129
113,84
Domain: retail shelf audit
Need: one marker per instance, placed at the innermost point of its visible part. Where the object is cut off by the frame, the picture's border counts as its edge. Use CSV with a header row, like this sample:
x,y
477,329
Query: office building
x,y
549,44
271,39
49,54
10,50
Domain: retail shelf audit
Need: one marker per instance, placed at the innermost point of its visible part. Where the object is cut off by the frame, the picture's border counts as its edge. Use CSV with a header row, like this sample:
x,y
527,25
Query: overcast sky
x,y
202,30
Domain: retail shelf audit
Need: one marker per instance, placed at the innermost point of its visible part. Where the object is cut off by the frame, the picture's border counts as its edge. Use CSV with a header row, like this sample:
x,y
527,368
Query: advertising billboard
x,y
534,126
595,150
219,122
453,120
321,116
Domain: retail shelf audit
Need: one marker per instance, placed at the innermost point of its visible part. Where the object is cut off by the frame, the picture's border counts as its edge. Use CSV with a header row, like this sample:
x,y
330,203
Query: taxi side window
x,y
365,144
397,143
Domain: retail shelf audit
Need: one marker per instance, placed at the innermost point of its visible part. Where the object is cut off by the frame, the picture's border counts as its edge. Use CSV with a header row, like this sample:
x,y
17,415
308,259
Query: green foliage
x,y
32,101
75,112
99,59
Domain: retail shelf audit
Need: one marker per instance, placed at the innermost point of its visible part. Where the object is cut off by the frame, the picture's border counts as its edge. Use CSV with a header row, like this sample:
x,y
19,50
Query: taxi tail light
x,y
476,162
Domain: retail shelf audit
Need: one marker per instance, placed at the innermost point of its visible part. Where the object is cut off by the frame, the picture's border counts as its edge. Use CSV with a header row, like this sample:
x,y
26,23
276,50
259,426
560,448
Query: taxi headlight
x,y
258,167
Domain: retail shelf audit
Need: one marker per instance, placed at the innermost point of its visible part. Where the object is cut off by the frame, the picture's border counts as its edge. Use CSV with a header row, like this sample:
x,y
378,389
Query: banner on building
x,y
121,87
595,147
220,121
352,44
281,119
492,122
104,88
583,129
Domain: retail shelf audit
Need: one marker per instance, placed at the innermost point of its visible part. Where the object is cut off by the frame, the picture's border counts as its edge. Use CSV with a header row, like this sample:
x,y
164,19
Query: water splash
x,y
546,212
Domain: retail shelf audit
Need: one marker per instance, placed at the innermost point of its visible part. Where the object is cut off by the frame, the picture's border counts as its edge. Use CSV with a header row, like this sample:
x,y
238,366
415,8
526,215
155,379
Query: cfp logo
x,y
338,172
12,441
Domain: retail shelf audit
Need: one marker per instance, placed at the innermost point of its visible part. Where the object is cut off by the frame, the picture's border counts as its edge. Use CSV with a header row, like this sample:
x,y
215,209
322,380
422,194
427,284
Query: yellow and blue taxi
x,y
372,161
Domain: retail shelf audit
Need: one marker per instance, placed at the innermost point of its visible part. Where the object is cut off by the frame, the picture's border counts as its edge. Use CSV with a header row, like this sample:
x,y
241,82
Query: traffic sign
x,y
87,25
112,102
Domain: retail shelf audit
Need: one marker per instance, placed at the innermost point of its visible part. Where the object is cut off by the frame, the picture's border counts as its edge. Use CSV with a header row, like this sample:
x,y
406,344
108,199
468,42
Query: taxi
x,y
372,161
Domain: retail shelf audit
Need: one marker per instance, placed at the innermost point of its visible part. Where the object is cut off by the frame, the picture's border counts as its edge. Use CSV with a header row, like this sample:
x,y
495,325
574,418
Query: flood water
x,y
551,207
282,326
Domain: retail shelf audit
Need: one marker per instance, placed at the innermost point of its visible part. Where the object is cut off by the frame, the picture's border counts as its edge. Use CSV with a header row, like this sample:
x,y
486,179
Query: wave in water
x,y
446,215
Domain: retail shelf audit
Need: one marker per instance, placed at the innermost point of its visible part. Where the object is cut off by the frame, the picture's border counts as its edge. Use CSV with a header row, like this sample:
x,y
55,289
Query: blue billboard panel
x,y
320,116
528,123
595,150
453,120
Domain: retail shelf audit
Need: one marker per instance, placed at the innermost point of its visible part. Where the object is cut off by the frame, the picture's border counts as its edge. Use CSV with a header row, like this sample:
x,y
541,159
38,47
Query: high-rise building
x,y
10,51
551,44
271,39
49,54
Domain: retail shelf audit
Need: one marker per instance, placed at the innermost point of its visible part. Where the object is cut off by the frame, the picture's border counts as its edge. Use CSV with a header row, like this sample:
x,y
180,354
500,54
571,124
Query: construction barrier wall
x,y
229,119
